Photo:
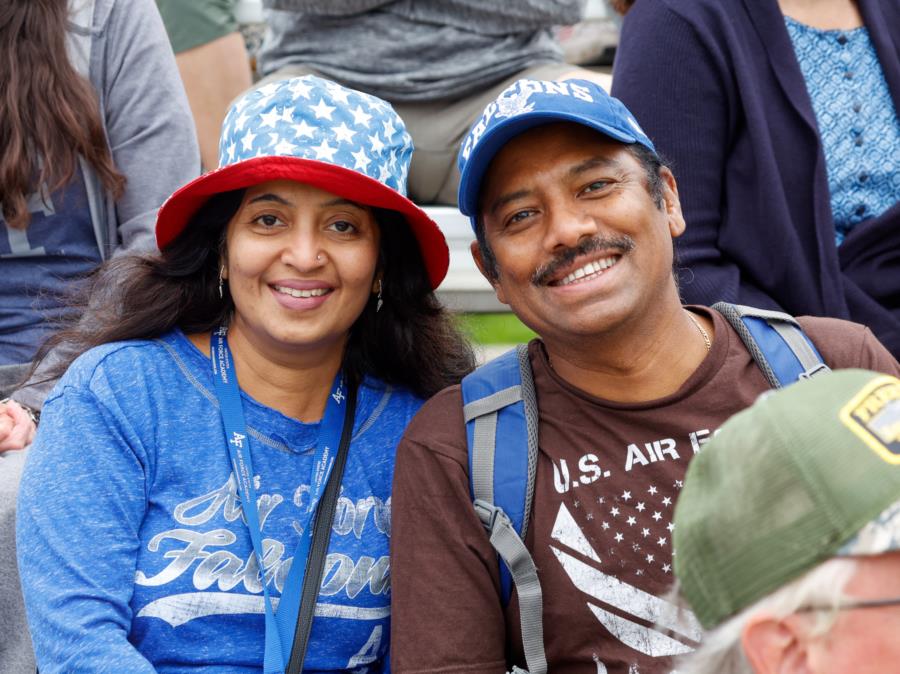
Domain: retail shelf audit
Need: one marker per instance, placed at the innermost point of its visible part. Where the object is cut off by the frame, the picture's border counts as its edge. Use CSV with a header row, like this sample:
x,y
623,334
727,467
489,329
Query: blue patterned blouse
x,y
858,123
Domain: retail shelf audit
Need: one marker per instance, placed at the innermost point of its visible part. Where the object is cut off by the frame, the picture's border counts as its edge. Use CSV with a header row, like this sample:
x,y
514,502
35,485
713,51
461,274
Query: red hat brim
x,y
178,209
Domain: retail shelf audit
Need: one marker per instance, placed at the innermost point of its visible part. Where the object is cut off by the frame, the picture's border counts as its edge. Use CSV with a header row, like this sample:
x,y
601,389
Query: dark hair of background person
x,y
621,6
49,114
650,162
412,341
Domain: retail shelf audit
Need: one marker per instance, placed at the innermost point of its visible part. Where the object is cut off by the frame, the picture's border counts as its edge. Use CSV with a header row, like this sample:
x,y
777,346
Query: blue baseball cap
x,y
529,103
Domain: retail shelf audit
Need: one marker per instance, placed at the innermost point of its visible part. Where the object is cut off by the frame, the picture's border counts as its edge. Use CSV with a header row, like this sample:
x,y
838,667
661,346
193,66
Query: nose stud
x,y
319,257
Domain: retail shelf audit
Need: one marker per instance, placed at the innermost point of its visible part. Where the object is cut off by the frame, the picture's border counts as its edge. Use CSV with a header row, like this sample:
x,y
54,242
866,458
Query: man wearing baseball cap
x,y
575,215
787,533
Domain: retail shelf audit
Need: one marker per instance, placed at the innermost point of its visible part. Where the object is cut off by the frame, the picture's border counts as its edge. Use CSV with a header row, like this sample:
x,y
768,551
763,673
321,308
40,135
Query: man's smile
x,y
590,257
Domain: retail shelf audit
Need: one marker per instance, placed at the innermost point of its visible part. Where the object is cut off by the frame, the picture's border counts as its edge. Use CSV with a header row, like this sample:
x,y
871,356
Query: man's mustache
x,y
545,272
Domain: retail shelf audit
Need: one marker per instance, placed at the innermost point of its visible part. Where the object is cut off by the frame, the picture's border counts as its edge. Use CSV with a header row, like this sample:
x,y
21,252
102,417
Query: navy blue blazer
x,y
717,86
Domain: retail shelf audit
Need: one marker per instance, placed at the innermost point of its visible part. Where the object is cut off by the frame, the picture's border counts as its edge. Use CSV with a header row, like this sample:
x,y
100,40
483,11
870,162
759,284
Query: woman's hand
x,y
16,426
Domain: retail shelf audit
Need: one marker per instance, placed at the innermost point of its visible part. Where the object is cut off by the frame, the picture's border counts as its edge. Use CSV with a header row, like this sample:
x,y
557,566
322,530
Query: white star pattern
x,y
377,145
360,117
614,512
304,130
325,152
671,526
605,526
631,521
270,118
667,568
285,147
640,507
619,538
657,516
301,88
362,160
344,133
322,110
626,496
678,484
241,121
577,504
650,559
309,118
667,501
645,532
590,516
247,140
389,129
652,490
268,89
661,541
337,92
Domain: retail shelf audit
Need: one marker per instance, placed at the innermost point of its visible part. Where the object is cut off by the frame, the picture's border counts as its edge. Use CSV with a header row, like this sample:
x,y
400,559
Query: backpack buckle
x,y
487,513
491,515
812,372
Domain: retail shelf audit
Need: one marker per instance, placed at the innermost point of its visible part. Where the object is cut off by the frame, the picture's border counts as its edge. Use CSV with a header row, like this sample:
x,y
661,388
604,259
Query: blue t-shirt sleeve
x,y
81,504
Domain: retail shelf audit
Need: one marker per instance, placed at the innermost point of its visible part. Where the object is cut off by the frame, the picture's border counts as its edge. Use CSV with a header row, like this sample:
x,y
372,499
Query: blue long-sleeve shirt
x,y
133,552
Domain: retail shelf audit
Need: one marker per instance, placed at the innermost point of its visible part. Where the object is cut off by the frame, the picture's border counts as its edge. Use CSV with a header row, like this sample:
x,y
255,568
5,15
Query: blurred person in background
x,y
96,133
438,63
212,60
787,533
780,118
171,493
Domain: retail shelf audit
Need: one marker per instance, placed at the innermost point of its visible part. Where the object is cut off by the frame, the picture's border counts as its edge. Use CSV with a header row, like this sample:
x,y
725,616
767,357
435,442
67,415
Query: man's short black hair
x,y
649,161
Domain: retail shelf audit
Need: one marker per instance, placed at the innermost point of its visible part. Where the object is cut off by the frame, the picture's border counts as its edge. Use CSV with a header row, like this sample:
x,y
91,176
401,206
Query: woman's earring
x,y
221,281
379,302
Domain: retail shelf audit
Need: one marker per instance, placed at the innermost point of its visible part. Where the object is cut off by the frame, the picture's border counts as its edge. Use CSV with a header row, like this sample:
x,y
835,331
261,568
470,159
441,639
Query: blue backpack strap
x,y
501,473
500,409
777,343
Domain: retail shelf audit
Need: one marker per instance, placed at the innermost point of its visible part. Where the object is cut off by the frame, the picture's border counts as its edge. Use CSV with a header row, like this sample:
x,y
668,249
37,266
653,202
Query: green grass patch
x,y
499,328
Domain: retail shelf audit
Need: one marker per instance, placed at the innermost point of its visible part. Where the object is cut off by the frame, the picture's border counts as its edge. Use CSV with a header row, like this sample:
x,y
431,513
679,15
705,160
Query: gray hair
x,y
720,650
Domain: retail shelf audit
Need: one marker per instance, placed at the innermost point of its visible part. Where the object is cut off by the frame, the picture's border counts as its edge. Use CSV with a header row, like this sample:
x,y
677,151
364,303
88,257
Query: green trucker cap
x,y
807,473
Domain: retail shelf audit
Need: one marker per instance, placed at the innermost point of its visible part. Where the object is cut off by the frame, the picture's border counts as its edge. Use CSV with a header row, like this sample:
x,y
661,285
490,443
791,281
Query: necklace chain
x,y
703,333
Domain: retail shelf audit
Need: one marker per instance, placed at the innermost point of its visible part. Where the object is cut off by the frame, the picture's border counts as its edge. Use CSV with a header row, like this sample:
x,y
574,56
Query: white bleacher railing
x,y
464,289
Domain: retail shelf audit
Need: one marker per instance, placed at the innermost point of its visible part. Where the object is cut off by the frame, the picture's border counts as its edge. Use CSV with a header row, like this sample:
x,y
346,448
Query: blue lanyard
x,y
280,627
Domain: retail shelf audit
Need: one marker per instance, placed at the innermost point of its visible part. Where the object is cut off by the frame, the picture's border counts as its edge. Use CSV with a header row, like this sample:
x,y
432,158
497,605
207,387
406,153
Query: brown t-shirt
x,y
600,534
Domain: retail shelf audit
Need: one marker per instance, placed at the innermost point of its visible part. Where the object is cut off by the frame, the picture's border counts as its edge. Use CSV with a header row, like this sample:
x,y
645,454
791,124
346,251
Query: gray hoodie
x,y
122,47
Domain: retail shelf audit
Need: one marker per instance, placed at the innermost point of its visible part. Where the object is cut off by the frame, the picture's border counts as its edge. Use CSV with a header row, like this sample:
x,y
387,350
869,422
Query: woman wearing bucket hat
x,y
176,509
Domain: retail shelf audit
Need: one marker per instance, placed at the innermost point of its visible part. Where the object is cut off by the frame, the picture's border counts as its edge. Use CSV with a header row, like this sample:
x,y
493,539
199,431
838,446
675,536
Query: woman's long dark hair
x,y
49,114
412,341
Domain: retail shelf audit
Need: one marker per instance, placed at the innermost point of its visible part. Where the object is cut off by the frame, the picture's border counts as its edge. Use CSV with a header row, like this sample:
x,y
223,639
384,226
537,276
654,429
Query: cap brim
x,y
178,209
501,133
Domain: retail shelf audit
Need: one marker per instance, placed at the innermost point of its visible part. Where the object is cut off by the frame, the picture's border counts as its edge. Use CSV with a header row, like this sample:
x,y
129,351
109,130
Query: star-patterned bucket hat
x,y
319,133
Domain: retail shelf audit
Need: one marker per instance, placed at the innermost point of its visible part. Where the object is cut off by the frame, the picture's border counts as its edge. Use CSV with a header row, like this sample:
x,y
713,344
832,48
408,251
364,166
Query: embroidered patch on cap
x,y
874,416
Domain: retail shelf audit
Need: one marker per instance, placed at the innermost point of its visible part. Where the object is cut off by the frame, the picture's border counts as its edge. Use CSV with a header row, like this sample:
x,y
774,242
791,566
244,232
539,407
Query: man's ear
x,y
777,645
672,203
475,249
